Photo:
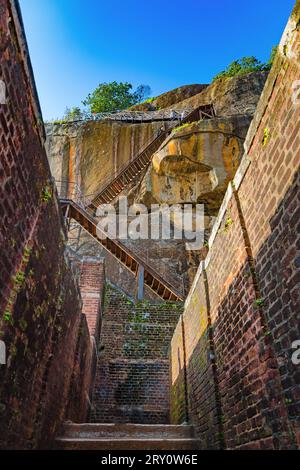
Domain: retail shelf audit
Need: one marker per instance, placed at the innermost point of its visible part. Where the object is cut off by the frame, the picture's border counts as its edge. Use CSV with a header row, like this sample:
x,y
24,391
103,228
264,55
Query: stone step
x,y
129,431
115,436
126,444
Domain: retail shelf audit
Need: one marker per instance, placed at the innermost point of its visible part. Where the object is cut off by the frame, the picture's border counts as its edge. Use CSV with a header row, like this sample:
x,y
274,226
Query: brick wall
x,y
91,283
132,379
40,301
242,313
83,373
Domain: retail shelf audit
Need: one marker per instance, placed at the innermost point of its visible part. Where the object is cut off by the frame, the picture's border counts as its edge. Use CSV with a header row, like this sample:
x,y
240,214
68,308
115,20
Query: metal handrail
x,y
88,216
124,167
86,200
133,116
190,116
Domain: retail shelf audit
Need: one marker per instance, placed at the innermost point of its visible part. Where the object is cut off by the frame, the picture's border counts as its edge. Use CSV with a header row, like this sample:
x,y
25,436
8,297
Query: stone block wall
x,y
132,379
47,339
242,314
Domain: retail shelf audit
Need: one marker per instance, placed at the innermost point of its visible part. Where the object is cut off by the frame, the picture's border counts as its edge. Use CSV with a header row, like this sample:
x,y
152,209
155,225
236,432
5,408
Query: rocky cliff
x,y
230,96
170,98
89,152
197,160
193,165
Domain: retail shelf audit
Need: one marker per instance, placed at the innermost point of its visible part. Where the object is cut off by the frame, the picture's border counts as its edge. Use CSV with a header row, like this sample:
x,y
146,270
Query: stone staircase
x,y
126,437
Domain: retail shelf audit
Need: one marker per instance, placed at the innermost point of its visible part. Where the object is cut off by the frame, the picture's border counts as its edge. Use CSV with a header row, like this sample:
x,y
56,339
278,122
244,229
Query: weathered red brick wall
x,y
91,282
132,379
92,290
273,225
242,314
178,398
193,394
82,380
40,301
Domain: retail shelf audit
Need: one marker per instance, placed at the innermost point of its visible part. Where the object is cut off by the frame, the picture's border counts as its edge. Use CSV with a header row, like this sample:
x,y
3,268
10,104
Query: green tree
x,y
141,93
114,96
246,65
73,114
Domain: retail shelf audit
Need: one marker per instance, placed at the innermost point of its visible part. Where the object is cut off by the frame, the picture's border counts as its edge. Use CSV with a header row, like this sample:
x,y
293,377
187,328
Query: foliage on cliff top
x,y
115,96
149,100
73,114
246,65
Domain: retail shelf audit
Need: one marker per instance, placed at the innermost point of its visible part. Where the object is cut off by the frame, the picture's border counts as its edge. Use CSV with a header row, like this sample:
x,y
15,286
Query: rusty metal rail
x,y
83,210
202,112
131,170
130,116
84,217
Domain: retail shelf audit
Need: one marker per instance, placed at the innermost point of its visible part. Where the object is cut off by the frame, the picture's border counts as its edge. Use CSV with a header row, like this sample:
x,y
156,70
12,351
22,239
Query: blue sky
x,y
77,44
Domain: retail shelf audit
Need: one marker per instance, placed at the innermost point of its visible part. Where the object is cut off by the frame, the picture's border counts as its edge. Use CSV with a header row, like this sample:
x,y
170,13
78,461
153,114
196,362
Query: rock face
x,y
230,96
195,163
170,98
89,153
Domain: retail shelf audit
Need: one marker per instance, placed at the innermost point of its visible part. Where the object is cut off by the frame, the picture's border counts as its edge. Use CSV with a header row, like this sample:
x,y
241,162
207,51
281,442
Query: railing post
x,y
140,283
66,218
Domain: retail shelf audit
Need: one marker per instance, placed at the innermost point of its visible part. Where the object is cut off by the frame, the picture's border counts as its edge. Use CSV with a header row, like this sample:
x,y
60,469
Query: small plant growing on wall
x,y
266,136
46,194
228,224
259,302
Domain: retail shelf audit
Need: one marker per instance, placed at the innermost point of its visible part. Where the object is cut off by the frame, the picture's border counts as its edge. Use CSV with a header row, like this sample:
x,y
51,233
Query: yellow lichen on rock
x,y
195,163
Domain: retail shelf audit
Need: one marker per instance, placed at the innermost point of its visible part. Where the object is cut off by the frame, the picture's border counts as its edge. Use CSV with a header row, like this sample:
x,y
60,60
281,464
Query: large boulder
x,y
195,163
197,160
170,98
230,96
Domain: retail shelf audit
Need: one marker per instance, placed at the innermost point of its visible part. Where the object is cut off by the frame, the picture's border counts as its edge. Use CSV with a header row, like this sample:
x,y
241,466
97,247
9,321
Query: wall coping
x,y
21,37
252,131
92,259
283,51
194,284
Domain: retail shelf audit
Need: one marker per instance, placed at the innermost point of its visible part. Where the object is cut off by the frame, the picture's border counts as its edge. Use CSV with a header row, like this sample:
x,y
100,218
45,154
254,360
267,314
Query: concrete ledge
x,y
220,216
195,282
282,53
241,171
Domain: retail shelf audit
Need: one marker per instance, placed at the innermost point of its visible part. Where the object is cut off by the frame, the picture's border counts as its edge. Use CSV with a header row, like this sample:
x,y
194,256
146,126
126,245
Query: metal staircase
x,y
85,218
131,170
84,211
